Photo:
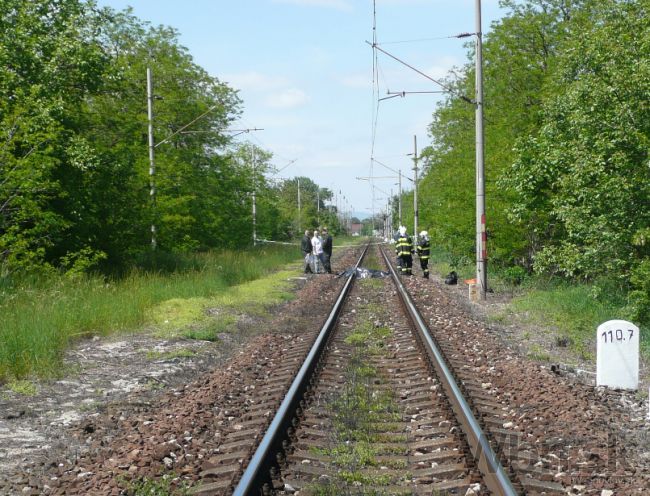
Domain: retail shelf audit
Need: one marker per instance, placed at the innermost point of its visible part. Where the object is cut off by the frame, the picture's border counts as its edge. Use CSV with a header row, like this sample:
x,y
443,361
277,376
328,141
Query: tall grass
x,y
442,263
41,319
571,311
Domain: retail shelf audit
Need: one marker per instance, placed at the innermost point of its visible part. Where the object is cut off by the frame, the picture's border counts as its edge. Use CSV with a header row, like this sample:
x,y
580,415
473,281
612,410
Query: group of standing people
x,y
404,250
317,251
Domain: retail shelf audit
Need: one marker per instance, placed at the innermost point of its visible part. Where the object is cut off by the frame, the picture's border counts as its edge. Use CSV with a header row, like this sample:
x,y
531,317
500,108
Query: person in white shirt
x,y
317,251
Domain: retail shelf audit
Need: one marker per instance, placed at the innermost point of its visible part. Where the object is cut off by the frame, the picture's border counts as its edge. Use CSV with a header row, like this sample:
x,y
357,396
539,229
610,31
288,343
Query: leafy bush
x,y
580,183
640,295
82,262
514,275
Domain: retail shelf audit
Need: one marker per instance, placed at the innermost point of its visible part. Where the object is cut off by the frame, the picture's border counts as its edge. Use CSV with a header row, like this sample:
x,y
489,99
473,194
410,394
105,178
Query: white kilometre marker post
x,y
617,355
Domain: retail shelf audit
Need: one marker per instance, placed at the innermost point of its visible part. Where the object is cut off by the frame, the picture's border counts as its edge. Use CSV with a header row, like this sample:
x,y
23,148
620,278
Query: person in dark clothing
x,y
399,259
424,249
305,247
327,250
404,248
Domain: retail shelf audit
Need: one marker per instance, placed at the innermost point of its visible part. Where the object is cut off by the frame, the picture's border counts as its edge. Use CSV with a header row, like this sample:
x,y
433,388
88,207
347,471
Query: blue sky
x,y
304,72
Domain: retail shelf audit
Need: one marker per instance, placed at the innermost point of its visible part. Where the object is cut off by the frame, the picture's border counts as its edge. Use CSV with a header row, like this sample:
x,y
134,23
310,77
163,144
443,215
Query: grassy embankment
x,y
569,312
40,319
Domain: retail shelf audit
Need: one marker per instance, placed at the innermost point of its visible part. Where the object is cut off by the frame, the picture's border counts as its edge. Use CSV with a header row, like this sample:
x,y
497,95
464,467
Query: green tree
x,y
307,216
583,183
446,191
520,58
253,164
73,173
51,61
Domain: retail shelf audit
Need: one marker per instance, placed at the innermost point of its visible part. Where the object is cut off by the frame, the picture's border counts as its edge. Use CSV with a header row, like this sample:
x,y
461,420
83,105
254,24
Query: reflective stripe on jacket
x,y
404,245
424,249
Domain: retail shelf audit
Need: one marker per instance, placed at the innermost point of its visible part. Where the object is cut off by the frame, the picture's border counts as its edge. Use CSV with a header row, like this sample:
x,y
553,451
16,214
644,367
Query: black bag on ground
x,y
452,278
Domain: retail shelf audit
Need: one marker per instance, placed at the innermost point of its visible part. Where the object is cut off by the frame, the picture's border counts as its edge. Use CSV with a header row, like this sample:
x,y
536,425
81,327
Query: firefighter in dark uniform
x,y
404,249
396,239
424,249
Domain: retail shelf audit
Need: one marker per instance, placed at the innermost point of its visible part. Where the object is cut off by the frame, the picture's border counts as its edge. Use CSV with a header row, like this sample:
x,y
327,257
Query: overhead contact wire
x,y
375,81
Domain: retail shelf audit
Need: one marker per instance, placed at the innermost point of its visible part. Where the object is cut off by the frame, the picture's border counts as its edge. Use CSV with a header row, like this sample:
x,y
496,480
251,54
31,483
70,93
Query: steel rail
x,y
494,475
258,471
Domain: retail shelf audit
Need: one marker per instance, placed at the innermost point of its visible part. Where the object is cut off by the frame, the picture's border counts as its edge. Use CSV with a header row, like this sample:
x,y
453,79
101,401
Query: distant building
x,y
355,229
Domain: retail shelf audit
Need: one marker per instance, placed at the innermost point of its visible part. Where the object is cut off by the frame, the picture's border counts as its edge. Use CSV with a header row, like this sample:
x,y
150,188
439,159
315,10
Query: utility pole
x,y
390,221
152,163
153,146
339,203
481,233
299,229
349,226
399,177
372,184
399,205
385,230
318,206
338,207
254,204
415,189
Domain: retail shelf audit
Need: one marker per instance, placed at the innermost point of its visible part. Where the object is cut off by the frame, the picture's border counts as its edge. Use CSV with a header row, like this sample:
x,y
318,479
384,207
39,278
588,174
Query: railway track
x,y
370,405
373,418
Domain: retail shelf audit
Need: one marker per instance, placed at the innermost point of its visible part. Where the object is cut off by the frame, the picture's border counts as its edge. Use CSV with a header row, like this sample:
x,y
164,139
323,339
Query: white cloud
x,y
442,67
289,98
357,81
275,90
440,3
330,4
402,2
397,77
275,120
254,81
288,149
